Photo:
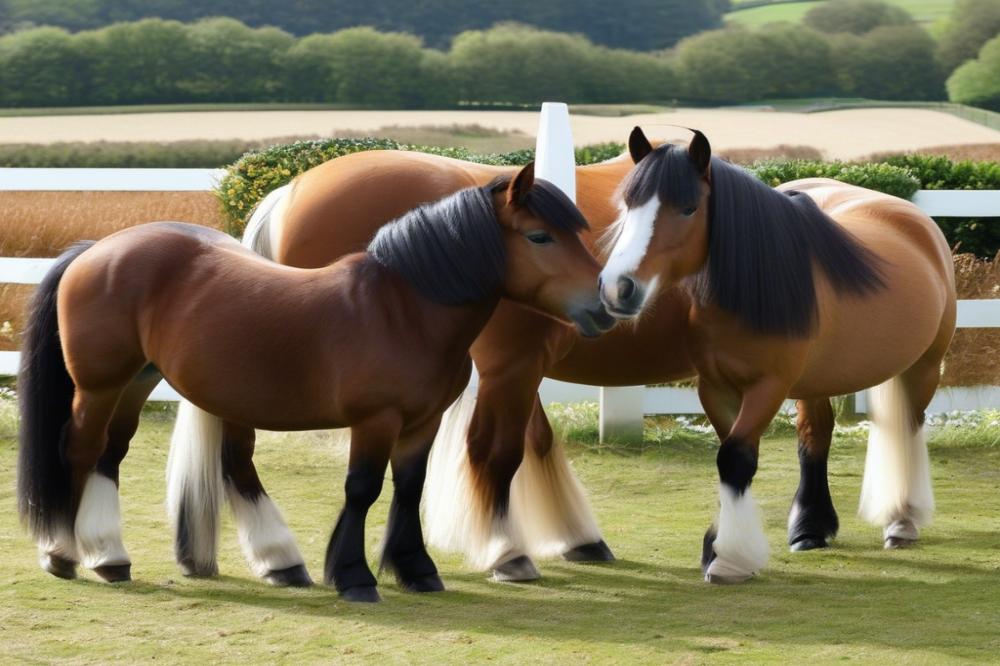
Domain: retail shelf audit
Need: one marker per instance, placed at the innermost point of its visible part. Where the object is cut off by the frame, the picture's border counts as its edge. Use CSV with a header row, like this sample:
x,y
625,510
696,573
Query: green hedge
x,y
259,172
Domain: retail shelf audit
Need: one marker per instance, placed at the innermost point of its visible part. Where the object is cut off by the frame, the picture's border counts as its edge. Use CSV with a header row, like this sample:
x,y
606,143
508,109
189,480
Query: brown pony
x,y
377,341
816,289
332,210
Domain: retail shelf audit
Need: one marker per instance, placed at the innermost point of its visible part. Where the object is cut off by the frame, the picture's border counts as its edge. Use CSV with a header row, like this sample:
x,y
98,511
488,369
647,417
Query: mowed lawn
x,y
923,11
938,603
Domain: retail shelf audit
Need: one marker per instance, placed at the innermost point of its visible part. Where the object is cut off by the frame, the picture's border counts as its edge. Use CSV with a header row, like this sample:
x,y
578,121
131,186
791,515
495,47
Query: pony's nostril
x,y
626,288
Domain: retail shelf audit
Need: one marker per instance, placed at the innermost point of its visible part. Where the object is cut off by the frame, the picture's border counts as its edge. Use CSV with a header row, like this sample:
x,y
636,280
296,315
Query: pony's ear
x,y
638,144
700,152
520,184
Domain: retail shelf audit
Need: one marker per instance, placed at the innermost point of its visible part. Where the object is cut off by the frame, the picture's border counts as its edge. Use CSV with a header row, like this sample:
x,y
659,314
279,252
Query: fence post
x,y
621,414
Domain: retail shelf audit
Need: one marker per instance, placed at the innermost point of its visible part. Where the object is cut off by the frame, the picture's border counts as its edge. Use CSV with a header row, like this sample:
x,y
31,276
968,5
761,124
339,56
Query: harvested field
x,y
42,224
845,134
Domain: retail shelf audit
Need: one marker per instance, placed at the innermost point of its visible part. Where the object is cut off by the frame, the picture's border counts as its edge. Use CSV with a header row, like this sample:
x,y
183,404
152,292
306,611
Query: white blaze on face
x,y
634,234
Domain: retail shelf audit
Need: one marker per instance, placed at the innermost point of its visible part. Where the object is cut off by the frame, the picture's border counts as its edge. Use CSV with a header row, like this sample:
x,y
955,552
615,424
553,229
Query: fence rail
x,y
622,408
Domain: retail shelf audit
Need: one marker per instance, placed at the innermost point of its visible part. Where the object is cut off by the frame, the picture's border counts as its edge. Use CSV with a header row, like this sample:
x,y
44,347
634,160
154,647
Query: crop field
x,y
933,604
924,11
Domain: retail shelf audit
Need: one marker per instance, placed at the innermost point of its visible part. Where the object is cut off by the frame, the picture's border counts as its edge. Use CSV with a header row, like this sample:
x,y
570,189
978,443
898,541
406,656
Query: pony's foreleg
x,y
812,519
549,502
267,542
496,448
404,551
346,567
737,548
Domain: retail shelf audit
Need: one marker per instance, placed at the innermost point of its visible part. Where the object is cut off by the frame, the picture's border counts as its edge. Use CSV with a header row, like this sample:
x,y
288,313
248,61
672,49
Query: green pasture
x,y
924,11
935,604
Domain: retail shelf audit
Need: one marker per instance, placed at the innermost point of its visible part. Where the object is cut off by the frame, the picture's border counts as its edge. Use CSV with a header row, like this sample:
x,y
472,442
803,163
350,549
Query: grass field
x,y
934,604
924,11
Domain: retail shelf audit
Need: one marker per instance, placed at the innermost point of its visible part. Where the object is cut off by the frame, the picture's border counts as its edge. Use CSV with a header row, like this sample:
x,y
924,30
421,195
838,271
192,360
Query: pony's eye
x,y
539,237
689,211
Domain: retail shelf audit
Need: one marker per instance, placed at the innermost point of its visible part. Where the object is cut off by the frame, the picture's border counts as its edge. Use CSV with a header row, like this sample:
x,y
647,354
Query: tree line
x,y
633,24
884,56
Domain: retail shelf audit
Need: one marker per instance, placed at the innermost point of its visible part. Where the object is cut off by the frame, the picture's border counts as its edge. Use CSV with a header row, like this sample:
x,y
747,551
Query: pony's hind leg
x,y
98,521
896,492
812,519
404,551
267,542
346,567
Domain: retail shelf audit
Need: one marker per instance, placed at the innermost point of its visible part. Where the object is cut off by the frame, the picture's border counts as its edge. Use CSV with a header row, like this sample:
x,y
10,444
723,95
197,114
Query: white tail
x,y
897,482
259,234
195,487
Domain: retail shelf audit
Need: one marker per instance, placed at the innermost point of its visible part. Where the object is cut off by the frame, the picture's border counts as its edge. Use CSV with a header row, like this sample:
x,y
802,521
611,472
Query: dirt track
x,y
838,134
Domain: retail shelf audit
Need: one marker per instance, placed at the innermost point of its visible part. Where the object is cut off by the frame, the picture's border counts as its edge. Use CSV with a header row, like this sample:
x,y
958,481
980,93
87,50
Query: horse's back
x,y
336,207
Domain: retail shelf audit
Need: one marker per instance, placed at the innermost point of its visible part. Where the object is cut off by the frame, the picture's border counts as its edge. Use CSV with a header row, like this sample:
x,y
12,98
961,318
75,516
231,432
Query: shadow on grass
x,y
634,602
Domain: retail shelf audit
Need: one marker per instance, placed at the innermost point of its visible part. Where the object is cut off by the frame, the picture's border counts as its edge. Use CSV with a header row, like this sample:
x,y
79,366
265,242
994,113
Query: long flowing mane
x,y
452,250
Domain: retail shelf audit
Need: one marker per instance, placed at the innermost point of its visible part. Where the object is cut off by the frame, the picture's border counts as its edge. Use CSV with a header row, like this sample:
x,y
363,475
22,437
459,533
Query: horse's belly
x,y
865,341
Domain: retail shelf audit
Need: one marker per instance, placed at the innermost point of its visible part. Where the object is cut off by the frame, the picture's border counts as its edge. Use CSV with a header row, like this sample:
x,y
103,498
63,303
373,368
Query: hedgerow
x,y
258,172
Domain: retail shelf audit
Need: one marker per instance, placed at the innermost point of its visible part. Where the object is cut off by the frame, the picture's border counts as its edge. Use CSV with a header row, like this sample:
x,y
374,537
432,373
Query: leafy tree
x,y
358,66
977,82
739,65
854,16
137,63
972,24
234,62
891,62
41,67
513,63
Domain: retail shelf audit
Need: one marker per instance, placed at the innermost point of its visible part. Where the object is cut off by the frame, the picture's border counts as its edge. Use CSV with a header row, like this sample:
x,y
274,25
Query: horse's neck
x,y
446,328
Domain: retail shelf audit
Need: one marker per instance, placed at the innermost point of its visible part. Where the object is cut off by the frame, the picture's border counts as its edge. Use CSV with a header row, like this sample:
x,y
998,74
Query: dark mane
x,y
452,250
762,244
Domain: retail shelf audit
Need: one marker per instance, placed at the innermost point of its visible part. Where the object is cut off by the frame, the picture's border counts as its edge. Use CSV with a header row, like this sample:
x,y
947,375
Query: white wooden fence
x,y
621,408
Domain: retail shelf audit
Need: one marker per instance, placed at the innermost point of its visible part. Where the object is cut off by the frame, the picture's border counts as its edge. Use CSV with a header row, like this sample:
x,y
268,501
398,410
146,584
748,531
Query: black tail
x,y
45,398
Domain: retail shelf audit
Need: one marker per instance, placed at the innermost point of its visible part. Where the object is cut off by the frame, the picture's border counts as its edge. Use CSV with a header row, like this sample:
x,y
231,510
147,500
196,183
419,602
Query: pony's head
x,y
548,266
662,233
516,237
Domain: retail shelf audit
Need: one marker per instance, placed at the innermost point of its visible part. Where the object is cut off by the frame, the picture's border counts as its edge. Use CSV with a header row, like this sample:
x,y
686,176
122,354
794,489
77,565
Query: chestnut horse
x,y
816,289
378,341
333,209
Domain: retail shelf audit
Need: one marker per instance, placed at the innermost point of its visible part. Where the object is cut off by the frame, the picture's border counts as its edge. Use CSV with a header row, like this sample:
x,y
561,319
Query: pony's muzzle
x,y
623,298
592,321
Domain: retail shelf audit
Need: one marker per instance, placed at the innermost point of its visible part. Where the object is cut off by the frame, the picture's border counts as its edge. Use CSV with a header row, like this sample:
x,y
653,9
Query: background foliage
x,y
634,24
574,51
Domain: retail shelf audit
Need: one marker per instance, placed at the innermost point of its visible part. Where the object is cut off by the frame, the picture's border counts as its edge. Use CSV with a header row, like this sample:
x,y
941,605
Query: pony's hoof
x,y
809,543
590,552
362,594
295,576
429,583
192,569
894,543
518,570
60,567
115,573
732,579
